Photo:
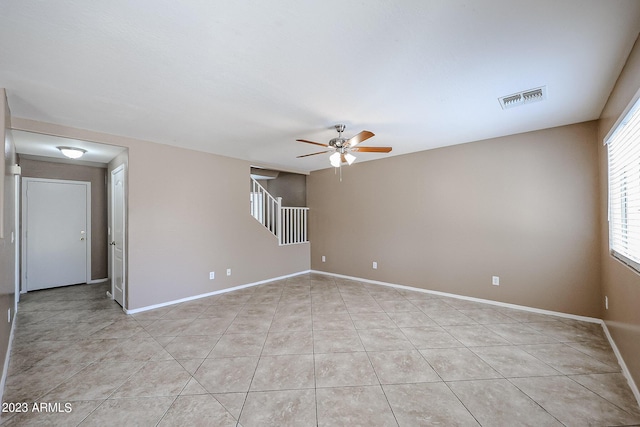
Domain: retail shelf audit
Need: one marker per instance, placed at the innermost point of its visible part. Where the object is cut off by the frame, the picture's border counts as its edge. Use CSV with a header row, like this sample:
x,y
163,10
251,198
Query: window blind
x,y
623,147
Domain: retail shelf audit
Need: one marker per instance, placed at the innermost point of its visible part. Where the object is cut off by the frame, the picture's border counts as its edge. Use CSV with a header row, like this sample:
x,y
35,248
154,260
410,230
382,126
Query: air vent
x,y
525,97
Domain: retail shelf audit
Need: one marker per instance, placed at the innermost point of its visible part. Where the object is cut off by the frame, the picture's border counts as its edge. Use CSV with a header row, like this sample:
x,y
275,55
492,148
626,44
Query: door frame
x,y
120,168
23,232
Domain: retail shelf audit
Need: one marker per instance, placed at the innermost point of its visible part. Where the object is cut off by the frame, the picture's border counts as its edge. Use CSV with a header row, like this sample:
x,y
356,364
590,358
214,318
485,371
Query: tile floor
x,y
312,350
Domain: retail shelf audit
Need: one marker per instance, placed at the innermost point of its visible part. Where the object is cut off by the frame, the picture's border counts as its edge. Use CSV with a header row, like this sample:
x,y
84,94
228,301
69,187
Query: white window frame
x,y
623,174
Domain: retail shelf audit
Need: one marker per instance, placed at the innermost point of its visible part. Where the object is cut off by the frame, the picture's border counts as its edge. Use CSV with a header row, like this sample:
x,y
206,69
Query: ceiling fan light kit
x,y
341,148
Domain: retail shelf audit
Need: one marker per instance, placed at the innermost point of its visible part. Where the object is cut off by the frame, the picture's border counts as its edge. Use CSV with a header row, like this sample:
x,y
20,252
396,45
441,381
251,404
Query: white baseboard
x,y
463,297
7,356
222,291
91,282
623,366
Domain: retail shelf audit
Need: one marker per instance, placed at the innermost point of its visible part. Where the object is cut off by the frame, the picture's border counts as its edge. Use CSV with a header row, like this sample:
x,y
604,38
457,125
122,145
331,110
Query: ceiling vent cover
x,y
524,97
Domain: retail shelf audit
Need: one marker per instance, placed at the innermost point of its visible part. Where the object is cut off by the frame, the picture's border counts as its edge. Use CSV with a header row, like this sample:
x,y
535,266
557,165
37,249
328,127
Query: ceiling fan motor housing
x,y
338,142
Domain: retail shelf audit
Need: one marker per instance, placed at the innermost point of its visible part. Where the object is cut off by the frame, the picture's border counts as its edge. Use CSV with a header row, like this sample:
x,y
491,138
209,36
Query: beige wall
x,y
7,247
522,207
619,283
50,170
188,214
292,187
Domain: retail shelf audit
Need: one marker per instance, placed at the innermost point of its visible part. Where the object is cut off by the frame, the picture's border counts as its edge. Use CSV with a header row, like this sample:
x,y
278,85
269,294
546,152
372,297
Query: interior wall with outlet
x,y
7,244
522,207
96,175
619,283
188,215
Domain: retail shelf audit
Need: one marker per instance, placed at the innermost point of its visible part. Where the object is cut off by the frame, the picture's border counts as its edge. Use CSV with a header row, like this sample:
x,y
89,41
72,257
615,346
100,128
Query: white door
x,y
118,235
56,232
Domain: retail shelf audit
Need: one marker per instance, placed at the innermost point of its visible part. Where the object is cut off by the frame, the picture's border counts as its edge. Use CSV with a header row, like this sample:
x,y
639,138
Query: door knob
x,y
113,243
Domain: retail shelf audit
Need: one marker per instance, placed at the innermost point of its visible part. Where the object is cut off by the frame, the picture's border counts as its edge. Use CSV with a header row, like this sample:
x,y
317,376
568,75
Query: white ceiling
x,y
36,146
247,78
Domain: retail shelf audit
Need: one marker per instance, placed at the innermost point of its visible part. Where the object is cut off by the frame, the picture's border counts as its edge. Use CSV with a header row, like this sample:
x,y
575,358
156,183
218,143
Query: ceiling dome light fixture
x,y
72,152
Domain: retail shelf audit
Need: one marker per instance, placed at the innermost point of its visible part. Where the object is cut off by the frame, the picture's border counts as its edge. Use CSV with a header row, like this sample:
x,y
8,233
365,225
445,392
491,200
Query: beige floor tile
x,y
226,375
96,381
399,367
192,347
136,349
486,316
431,305
396,306
512,362
141,411
198,410
190,365
207,326
330,322
289,342
573,404
81,351
500,403
450,318
520,333
193,387
232,402
232,345
250,324
120,329
411,319
384,339
598,349
156,378
430,337
453,364
562,331
613,387
291,323
372,321
475,335
296,308
31,384
328,308
167,327
353,406
568,360
344,369
294,408
284,373
308,350
426,404
333,341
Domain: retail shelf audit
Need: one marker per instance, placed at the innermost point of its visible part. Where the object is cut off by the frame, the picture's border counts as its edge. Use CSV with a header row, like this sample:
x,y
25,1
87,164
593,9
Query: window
x,y
623,147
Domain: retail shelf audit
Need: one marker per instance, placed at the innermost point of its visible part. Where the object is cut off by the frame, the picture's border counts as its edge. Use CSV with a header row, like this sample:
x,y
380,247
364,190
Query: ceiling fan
x,y
342,147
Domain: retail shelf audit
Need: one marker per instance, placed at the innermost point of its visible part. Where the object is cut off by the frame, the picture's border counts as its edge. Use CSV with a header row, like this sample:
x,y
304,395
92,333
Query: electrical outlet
x,y
212,275
495,281
324,258
228,272
375,265
606,303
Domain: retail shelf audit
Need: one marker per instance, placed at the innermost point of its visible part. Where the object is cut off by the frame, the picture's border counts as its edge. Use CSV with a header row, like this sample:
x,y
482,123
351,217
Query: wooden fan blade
x,y
313,154
311,142
362,136
372,149
342,158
